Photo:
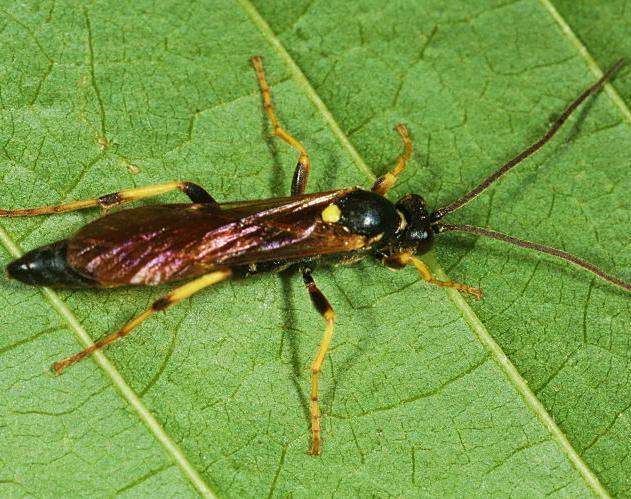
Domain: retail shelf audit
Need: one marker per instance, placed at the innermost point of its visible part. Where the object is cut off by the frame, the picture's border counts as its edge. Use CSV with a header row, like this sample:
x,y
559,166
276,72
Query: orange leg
x,y
301,173
402,259
163,303
384,183
324,307
193,191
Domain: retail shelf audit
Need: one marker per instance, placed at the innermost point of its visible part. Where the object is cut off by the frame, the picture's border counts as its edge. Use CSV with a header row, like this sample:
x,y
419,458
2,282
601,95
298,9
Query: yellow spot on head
x,y
331,214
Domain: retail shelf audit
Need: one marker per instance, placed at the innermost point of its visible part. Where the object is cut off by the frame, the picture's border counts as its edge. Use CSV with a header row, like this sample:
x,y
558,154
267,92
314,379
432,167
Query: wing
x,y
160,243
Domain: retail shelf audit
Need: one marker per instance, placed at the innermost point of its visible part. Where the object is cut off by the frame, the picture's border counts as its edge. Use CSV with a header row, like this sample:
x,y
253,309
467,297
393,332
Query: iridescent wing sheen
x,y
161,243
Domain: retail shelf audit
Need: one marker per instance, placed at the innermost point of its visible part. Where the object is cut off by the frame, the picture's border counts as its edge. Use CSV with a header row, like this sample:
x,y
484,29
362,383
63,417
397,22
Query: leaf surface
x,y
424,392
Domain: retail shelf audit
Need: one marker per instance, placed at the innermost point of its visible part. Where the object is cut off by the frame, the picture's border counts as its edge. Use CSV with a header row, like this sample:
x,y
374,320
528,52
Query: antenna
x,y
506,167
471,229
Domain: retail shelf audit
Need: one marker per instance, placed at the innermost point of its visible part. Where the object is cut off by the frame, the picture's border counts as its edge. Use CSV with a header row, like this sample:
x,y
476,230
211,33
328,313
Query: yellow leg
x,y
193,191
401,259
324,307
384,183
163,303
301,173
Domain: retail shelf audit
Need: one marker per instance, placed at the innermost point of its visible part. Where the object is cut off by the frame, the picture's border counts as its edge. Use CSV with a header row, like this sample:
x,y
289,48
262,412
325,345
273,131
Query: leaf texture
x,y
424,392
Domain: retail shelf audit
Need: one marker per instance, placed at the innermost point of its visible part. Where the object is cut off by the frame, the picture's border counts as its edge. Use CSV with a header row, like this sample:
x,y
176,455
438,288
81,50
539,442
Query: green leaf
x,y
424,392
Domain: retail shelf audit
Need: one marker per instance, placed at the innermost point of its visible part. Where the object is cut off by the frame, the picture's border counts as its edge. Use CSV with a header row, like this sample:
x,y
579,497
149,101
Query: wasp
x,y
210,242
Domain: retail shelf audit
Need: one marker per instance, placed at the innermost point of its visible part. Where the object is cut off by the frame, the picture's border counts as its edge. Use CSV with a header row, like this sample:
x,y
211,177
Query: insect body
x,y
210,242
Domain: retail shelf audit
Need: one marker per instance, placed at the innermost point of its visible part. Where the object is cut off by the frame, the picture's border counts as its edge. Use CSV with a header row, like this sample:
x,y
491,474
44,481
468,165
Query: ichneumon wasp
x,y
211,242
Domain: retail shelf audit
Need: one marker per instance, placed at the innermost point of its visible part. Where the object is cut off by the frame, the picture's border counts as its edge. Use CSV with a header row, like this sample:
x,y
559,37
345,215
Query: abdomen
x,y
48,266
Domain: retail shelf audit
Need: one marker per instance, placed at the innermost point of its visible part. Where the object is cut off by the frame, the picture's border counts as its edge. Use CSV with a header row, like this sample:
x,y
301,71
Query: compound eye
x,y
418,233
424,238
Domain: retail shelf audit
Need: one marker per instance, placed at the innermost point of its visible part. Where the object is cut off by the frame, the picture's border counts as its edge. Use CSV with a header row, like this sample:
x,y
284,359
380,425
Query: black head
x,y
404,226
416,233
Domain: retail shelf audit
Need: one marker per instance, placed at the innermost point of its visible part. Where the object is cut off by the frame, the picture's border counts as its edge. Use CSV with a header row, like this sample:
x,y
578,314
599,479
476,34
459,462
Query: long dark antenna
x,y
458,203
537,247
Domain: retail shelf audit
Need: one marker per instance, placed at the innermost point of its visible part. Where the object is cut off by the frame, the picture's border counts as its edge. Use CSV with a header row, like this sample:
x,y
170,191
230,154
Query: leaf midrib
x,y
118,381
473,321
589,59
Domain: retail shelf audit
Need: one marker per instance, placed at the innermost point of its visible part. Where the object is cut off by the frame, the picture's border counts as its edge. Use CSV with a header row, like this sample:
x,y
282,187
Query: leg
x,y
163,303
324,307
384,183
193,191
401,259
301,173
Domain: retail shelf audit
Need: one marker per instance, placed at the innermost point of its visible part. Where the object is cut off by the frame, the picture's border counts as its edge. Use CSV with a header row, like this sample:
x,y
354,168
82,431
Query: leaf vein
x,y
475,324
118,381
589,59
306,86
521,386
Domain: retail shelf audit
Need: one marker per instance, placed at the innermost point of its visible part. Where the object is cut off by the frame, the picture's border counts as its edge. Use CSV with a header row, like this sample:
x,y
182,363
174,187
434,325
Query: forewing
x,y
323,239
160,243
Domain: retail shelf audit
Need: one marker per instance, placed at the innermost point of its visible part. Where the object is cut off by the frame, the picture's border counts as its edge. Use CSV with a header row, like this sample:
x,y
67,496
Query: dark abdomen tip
x,y
48,266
